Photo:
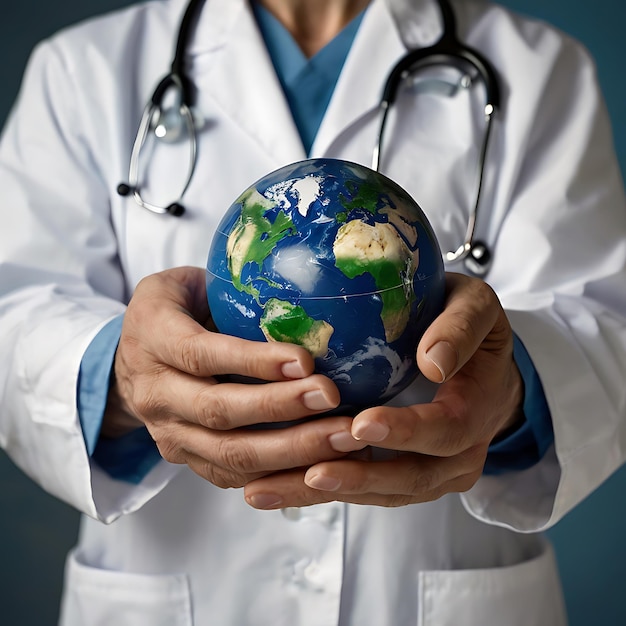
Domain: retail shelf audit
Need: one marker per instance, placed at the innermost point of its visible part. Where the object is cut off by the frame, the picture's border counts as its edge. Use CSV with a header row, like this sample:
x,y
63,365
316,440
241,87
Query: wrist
x,y
117,420
514,416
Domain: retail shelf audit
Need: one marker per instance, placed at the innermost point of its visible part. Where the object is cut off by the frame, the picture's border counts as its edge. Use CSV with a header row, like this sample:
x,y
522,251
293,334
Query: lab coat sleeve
x,y
561,278
60,283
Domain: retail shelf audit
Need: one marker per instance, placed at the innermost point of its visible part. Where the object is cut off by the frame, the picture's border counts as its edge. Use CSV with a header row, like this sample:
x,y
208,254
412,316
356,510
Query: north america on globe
x,y
334,257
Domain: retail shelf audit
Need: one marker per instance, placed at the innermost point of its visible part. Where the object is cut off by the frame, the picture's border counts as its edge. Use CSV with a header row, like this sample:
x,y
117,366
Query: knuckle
x,y
142,390
170,449
147,402
250,361
140,310
303,445
397,500
222,478
216,475
467,481
475,457
483,292
267,408
189,355
236,457
468,320
465,324
421,482
212,410
170,452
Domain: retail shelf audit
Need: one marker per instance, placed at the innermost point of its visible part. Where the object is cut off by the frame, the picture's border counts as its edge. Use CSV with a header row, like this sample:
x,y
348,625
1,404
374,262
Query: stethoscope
x,y
171,123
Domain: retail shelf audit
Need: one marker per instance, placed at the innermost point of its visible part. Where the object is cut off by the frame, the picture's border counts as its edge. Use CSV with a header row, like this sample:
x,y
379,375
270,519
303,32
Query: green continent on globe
x,y
379,250
290,323
253,237
365,195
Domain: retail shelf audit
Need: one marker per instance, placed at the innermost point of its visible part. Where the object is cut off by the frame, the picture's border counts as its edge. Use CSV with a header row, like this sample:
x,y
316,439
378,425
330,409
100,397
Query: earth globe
x,y
337,258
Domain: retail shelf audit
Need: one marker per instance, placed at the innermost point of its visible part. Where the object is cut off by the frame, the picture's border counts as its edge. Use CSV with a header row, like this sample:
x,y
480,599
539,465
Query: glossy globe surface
x,y
335,257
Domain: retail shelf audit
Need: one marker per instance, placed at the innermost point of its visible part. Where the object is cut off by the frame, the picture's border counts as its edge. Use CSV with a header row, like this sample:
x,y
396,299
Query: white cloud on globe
x,y
277,194
298,265
244,310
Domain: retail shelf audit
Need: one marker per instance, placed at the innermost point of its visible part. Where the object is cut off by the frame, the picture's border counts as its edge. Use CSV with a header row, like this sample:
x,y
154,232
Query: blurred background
x,y
36,531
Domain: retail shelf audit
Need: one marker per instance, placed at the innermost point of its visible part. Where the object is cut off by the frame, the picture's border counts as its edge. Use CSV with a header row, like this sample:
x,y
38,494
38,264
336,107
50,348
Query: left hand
x,y
441,446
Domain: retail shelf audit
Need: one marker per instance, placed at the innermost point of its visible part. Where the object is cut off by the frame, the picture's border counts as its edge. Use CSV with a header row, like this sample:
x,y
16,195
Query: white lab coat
x,y
176,550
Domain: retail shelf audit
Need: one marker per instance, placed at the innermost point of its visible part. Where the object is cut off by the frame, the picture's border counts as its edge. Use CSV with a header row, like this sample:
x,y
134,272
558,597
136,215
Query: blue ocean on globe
x,y
333,256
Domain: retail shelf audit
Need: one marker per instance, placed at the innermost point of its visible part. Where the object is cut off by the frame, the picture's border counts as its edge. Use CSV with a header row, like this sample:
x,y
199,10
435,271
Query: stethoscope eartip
x,y
176,209
124,189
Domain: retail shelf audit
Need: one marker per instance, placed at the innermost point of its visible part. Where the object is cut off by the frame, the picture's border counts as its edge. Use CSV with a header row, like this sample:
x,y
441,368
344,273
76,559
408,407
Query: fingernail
x,y
264,500
321,482
444,357
343,441
293,369
370,431
315,400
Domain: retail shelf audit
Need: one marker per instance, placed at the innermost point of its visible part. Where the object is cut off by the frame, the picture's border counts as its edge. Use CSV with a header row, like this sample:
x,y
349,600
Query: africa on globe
x,y
337,258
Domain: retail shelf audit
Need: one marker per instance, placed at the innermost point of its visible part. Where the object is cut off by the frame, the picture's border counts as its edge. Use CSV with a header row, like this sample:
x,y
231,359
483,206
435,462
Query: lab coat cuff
x,y
130,457
94,380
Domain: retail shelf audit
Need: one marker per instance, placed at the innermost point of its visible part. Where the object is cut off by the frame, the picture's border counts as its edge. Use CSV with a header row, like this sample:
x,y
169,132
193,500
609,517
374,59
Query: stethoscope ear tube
x,y
178,63
177,81
448,50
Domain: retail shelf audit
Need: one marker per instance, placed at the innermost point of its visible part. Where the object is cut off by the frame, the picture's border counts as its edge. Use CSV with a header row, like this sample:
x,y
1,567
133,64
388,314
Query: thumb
x,y
472,318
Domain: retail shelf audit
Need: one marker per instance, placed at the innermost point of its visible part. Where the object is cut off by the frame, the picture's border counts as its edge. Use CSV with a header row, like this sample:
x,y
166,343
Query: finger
x,y
243,455
413,475
167,313
347,481
224,406
199,352
217,475
456,485
268,500
442,428
282,490
471,315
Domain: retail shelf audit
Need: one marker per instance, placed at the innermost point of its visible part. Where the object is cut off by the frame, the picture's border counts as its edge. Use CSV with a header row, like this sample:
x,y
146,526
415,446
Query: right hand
x,y
166,372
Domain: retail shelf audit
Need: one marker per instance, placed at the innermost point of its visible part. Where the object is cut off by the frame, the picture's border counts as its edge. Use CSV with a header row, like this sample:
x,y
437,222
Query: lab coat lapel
x,y
232,70
387,29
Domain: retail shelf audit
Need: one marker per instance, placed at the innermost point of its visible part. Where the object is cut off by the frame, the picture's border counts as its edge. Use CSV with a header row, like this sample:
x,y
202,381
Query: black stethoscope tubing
x,y
178,81
447,50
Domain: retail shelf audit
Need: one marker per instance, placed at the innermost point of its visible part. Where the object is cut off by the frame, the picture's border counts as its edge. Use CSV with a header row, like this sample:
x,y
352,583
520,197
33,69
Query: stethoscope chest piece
x,y
169,125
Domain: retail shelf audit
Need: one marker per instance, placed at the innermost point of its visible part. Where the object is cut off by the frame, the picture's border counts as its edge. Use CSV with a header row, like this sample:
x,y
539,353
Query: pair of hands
x,y
170,361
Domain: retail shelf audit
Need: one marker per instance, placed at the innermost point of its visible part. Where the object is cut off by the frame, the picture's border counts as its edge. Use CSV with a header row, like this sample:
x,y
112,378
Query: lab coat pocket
x,y
526,594
97,597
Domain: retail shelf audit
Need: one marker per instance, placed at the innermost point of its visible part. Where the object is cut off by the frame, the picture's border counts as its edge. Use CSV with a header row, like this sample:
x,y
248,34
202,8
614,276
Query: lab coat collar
x,y
389,29
231,69
228,50
417,21
214,24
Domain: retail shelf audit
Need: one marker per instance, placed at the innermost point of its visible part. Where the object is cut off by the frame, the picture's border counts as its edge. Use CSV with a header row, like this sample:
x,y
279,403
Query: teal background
x,y
36,530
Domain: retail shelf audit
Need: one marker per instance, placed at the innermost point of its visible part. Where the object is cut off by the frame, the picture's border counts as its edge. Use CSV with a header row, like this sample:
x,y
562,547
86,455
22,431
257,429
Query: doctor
x,y
110,393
